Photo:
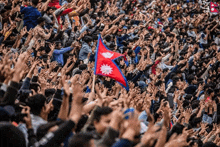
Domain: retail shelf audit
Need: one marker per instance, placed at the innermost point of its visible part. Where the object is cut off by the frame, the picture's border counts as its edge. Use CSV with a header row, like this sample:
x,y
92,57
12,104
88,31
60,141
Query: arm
x,y
162,138
166,57
44,35
206,72
10,95
64,108
67,11
45,5
58,136
63,50
70,67
113,131
23,9
65,129
117,19
154,66
89,107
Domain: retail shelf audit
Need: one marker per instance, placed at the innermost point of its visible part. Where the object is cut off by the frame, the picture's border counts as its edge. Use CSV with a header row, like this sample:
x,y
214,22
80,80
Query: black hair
x,y
130,52
81,139
190,78
177,128
101,111
11,135
35,2
196,120
36,103
209,91
175,79
209,144
195,104
40,20
81,123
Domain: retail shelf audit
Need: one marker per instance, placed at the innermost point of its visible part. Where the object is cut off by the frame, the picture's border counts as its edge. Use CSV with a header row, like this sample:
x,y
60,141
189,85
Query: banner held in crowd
x,y
105,64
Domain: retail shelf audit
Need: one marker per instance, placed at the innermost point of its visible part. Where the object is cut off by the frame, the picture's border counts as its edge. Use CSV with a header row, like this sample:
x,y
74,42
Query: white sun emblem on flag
x,y
212,9
106,69
212,4
107,54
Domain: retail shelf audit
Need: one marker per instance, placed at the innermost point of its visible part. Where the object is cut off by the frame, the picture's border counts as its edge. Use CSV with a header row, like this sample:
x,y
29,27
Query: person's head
x,y
176,80
192,79
77,45
197,122
11,136
87,39
58,45
50,10
41,21
210,92
196,142
81,140
209,144
36,103
131,53
102,118
34,3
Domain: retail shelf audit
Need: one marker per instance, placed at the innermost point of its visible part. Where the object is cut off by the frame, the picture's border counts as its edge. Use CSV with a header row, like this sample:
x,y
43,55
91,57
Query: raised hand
x,y
23,31
27,119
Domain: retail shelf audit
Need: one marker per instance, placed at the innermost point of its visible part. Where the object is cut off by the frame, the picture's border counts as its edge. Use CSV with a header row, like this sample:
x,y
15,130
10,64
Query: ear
x,y
43,109
95,122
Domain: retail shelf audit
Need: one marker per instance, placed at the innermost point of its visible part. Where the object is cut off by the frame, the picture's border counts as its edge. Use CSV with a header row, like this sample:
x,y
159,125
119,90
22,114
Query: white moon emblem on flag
x,y
106,69
107,54
212,4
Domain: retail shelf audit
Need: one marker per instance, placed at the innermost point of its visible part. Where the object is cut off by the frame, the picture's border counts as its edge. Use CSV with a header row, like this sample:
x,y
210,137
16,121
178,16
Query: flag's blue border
x,y
127,87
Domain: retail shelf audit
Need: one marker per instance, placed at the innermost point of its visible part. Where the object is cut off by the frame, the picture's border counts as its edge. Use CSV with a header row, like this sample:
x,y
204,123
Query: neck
x,y
44,116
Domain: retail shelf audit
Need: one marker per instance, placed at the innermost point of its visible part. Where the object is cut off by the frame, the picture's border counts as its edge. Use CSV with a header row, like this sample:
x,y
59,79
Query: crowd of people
x,y
48,96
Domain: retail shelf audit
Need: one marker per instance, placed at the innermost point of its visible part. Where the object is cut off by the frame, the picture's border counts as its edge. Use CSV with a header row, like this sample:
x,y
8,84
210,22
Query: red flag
x,y
213,7
106,66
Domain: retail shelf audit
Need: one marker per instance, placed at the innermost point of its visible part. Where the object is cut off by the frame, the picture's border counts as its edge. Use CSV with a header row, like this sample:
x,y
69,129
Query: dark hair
x,y
190,78
195,104
175,79
209,91
81,139
130,52
35,2
36,103
196,120
81,123
101,111
11,135
209,144
177,128
40,20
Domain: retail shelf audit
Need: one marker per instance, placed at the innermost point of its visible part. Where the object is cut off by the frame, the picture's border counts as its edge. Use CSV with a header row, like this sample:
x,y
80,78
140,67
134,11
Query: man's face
x,y
219,69
122,22
212,94
103,123
59,46
50,11
194,81
133,54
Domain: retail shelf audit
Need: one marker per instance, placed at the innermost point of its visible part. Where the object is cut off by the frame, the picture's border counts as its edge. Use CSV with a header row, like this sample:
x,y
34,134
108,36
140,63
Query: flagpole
x,y
93,83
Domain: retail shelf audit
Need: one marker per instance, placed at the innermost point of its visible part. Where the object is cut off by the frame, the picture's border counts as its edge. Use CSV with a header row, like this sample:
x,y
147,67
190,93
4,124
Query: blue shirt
x,y
58,54
84,51
30,16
